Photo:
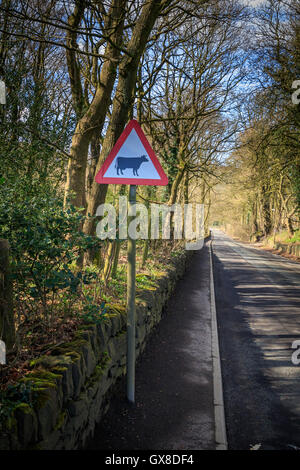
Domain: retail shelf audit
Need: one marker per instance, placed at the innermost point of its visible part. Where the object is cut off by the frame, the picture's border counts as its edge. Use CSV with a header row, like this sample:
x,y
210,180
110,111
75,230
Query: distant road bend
x,y
258,310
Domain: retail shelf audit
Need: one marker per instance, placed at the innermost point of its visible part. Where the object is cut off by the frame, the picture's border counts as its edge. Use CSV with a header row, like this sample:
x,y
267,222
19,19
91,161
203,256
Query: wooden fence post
x,y
7,324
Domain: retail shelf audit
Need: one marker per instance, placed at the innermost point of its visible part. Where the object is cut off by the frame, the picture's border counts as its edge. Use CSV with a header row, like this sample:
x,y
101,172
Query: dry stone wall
x,y
290,248
72,386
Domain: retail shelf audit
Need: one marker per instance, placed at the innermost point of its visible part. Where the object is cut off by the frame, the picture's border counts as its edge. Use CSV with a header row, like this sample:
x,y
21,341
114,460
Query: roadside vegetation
x,y
75,74
259,197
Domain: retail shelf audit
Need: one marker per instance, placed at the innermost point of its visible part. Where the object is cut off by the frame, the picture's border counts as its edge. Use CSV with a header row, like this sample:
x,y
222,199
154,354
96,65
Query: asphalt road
x,y
258,311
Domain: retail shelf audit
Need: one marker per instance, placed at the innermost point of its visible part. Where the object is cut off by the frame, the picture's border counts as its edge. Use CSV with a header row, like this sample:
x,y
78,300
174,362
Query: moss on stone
x,y
42,397
37,383
75,345
42,376
97,374
25,408
99,370
161,273
115,309
59,369
41,381
86,327
75,356
49,362
73,349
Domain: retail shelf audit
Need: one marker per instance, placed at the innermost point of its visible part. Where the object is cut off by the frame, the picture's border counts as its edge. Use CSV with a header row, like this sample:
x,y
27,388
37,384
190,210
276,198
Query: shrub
x,y
46,242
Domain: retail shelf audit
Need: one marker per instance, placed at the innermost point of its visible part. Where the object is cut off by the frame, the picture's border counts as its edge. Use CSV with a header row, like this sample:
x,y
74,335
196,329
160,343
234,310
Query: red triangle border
x,y
133,124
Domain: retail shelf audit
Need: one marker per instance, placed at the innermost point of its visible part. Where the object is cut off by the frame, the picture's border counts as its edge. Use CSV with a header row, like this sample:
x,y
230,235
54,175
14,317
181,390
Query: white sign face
x,y
2,352
132,161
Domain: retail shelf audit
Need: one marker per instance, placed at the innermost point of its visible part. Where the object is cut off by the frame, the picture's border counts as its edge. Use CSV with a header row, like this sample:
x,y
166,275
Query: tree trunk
x,y
175,186
186,188
208,206
290,227
266,214
116,259
92,121
255,227
124,99
7,325
109,260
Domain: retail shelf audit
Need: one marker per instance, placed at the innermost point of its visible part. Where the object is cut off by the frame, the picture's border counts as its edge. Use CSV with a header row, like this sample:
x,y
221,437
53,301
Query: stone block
x,y
78,407
115,324
89,358
107,324
77,378
47,415
67,383
27,424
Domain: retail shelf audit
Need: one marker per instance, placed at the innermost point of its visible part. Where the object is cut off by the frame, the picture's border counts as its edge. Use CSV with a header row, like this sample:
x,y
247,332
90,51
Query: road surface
x,y
258,312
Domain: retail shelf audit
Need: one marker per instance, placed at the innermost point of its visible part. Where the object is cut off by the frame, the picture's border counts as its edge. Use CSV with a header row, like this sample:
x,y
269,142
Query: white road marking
x,y
220,424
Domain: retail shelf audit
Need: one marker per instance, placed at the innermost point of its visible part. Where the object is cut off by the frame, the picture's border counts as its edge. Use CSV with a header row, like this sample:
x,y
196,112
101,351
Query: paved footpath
x,y
174,379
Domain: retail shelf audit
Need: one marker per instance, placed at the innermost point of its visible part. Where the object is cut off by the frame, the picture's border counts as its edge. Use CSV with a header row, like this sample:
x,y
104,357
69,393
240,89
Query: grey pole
x,y
131,274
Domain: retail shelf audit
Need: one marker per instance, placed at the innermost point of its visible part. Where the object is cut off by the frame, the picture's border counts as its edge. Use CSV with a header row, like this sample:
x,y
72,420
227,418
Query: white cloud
x,y
253,3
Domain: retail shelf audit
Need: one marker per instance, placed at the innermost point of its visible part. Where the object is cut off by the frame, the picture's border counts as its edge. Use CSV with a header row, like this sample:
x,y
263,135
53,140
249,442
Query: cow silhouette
x,y
122,163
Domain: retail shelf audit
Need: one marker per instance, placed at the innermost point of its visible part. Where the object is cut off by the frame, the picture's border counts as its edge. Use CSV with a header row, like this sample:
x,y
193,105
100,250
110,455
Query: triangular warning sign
x,y
132,161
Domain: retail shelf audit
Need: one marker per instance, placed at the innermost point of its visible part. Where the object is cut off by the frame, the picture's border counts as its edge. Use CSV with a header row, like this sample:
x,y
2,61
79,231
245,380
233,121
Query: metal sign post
x,y
2,92
131,274
131,161
2,353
